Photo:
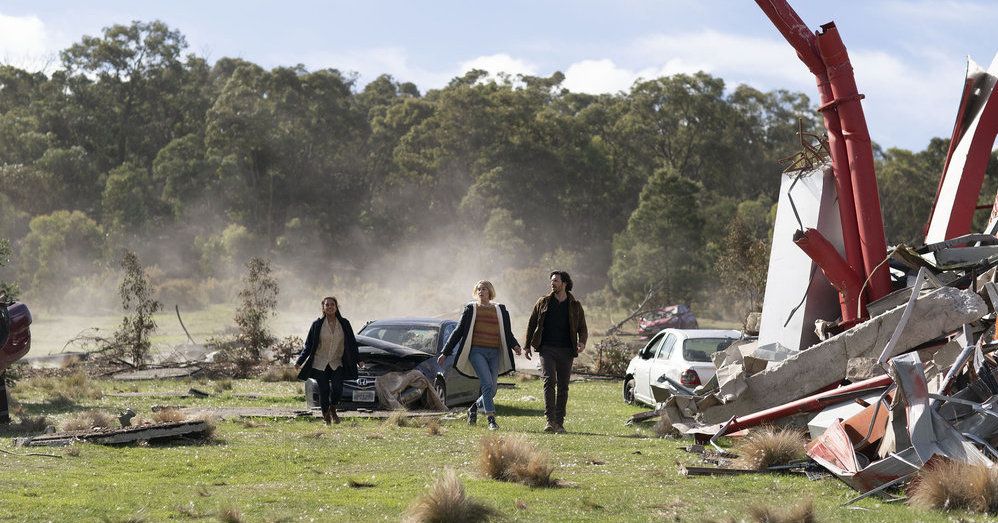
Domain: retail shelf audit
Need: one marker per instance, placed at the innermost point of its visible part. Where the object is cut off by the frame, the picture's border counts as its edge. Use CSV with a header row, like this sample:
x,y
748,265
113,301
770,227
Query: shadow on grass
x,y
511,410
54,405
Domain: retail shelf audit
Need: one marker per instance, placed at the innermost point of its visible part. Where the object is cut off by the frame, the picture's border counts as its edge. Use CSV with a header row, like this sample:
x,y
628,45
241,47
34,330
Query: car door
x,y
642,369
662,364
460,388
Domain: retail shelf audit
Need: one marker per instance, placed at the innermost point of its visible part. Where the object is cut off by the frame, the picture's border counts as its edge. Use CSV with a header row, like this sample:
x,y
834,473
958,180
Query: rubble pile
x,y
886,354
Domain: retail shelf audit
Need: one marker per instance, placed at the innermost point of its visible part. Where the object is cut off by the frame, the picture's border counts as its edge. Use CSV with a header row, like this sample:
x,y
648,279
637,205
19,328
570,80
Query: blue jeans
x,y
486,363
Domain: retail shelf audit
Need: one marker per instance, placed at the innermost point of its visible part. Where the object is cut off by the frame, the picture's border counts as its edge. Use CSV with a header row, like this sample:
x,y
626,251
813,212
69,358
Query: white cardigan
x,y
461,361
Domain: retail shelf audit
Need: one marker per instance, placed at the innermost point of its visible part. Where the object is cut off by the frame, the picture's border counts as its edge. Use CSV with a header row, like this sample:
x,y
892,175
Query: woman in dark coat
x,y
330,356
485,345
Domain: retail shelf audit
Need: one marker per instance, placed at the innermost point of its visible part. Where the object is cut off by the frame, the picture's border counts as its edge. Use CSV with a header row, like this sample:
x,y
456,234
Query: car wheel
x,y
629,391
441,389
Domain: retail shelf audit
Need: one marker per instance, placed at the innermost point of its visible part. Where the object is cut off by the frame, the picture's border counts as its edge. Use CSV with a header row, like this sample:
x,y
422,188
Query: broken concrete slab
x,y
932,316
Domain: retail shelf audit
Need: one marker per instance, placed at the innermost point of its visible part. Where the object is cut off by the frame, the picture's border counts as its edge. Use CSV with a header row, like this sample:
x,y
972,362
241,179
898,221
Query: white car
x,y
675,359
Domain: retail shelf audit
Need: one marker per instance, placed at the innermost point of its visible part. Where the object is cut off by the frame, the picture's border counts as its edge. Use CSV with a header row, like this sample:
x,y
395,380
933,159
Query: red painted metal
x,y
860,150
18,341
967,159
836,269
811,403
805,43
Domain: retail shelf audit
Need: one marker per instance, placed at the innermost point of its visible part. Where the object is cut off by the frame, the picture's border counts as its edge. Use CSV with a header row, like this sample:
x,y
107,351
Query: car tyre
x,y
441,388
629,391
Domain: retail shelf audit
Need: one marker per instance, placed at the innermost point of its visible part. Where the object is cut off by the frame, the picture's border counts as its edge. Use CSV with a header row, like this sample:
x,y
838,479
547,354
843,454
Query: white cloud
x,y
24,42
498,63
369,64
597,76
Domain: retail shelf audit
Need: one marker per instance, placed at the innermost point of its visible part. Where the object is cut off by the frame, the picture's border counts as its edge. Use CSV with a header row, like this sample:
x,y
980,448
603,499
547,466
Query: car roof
x,y
705,333
415,320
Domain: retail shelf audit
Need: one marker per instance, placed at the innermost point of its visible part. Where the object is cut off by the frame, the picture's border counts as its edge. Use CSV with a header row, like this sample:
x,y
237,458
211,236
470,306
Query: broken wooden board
x,y
117,436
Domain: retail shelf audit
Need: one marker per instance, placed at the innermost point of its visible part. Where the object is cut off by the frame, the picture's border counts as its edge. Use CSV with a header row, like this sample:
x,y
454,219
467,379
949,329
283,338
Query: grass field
x,y
366,470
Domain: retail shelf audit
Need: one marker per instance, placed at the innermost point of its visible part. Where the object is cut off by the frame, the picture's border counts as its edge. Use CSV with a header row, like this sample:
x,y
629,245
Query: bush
x,y
132,337
612,357
258,303
183,292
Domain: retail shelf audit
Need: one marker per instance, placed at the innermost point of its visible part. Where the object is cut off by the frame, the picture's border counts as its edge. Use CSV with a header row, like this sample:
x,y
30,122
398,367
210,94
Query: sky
x,y
910,56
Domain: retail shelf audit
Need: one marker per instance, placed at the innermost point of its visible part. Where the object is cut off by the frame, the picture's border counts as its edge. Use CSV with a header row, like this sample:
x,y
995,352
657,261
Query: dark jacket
x,y
461,338
350,353
577,330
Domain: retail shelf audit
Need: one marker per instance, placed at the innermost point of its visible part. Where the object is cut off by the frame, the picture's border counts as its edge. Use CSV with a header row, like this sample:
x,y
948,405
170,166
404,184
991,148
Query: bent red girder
x,y
851,151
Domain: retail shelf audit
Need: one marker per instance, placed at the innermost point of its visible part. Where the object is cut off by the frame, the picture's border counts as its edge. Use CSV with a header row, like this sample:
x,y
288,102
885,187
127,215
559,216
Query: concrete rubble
x,y
899,370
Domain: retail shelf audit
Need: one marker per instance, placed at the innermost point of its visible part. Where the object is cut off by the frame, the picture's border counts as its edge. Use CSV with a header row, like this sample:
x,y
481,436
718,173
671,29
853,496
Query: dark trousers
x,y
330,385
556,368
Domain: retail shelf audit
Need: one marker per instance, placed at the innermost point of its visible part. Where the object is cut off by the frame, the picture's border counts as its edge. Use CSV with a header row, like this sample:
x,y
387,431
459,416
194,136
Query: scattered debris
x,y
119,436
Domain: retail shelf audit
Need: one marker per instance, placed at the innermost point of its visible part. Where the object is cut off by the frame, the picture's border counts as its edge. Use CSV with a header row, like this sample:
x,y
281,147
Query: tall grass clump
x,y
951,485
513,458
90,419
447,502
803,512
770,446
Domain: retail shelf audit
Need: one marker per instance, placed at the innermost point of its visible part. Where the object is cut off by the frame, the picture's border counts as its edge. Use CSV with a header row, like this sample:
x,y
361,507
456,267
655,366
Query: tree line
x,y
134,143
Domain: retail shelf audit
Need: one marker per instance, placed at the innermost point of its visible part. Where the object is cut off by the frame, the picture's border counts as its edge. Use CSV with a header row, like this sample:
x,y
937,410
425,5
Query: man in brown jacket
x,y
557,329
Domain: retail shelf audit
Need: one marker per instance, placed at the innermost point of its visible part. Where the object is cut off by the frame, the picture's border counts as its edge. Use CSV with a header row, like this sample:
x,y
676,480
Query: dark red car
x,y
672,317
15,340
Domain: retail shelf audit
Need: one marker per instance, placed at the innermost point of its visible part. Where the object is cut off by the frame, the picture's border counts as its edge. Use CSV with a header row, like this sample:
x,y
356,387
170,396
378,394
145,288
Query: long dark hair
x,y
564,278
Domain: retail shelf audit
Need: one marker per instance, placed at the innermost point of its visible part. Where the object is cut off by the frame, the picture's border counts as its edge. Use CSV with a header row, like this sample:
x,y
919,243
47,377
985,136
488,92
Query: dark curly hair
x,y
564,277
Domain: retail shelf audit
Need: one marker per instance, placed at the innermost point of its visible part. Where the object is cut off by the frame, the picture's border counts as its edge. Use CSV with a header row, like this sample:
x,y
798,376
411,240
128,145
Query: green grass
x,y
299,469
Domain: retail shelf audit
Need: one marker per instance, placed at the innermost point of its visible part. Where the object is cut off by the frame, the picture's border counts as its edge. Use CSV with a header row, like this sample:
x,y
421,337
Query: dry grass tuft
x,y
26,425
447,502
169,415
211,426
398,418
664,428
433,427
513,458
524,377
90,419
800,513
68,390
189,511
230,515
770,446
276,373
950,485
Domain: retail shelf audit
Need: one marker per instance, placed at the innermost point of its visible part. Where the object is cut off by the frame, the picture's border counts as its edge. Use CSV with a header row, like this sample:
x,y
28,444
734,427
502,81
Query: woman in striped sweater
x,y
485,345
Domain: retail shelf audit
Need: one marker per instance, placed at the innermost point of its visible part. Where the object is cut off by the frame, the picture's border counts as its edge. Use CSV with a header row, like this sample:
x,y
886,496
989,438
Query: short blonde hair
x,y
488,285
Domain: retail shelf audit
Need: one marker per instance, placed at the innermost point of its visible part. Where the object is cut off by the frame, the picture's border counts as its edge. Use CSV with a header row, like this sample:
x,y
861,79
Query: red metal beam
x,y
811,403
836,269
804,42
860,150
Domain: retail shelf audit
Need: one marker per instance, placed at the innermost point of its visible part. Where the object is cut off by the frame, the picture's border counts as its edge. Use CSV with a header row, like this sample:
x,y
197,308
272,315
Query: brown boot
x,y
326,416
332,414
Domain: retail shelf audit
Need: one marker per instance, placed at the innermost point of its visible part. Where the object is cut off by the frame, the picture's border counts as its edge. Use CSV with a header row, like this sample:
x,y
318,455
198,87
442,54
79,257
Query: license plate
x,y
363,396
